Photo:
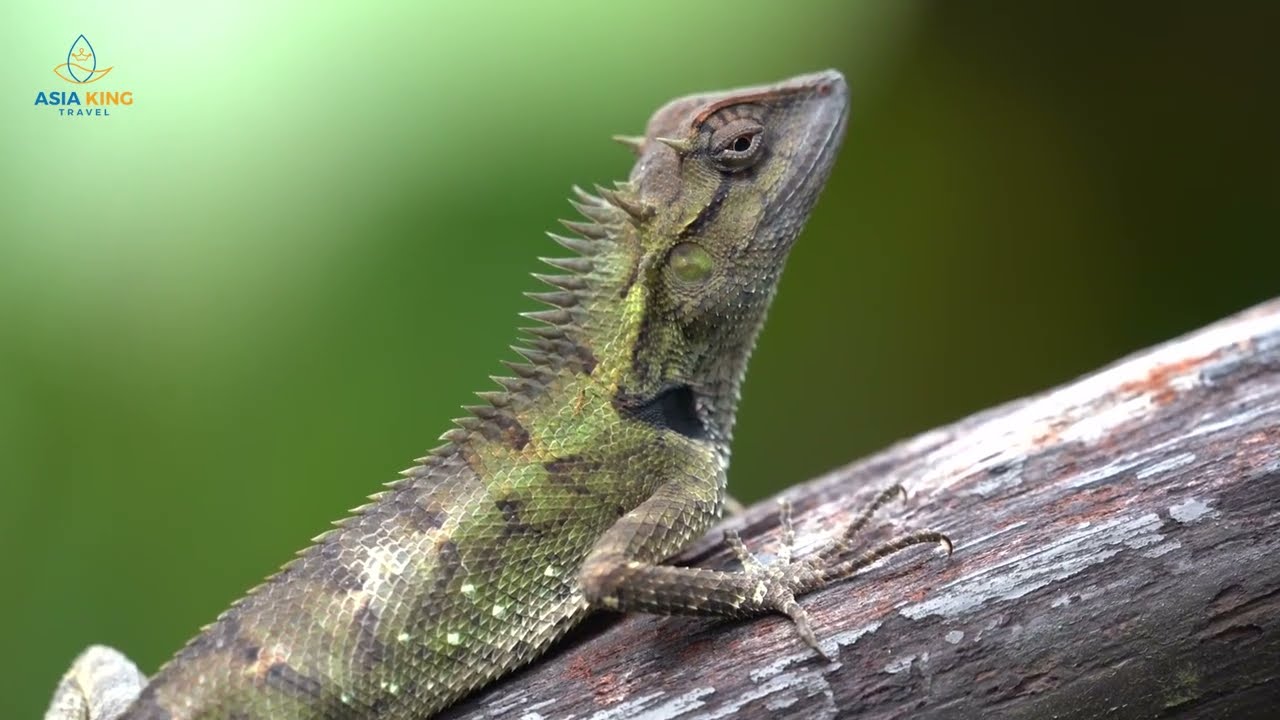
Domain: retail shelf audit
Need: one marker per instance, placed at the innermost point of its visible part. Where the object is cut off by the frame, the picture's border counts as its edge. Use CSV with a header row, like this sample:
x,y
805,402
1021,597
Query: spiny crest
x,y
552,344
625,198
634,143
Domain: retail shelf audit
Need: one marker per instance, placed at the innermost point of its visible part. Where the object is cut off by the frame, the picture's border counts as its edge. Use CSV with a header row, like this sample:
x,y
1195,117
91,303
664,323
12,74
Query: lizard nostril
x,y
824,89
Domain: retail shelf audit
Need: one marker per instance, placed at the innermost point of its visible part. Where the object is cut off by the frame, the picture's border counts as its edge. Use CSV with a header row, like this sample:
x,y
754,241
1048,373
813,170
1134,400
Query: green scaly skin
x,y
602,456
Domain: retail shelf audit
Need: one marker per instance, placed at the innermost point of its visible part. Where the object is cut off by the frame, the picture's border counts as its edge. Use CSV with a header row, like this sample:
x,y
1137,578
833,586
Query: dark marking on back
x,y
506,429
448,564
328,560
418,511
511,510
369,649
562,465
344,578
572,353
708,212
673,408
284,678
471,460
572,473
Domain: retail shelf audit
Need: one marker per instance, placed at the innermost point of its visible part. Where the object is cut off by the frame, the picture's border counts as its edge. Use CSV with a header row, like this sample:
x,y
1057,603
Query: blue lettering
x,y
57,97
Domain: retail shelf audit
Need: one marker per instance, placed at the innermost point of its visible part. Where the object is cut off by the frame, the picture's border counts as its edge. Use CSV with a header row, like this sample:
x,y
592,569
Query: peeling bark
x,y
1116,543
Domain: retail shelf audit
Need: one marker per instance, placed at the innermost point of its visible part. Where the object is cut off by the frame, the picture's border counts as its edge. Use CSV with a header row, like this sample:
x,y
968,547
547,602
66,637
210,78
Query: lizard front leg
x,y
99,686
623,571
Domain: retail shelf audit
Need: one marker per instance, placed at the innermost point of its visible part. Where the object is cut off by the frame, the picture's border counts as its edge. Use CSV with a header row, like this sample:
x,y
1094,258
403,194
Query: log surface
x,y
1116,557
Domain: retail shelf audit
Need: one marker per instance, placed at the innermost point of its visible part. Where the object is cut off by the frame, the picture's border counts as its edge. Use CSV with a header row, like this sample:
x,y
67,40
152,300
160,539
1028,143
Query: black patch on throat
x,y
673,408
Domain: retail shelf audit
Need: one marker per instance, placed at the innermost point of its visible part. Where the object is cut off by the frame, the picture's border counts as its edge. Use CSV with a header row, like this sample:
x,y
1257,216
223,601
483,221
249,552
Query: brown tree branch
x,y
1116,556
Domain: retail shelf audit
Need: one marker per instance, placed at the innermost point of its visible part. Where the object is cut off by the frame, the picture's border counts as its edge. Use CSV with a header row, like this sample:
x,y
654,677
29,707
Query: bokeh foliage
x,y
229,312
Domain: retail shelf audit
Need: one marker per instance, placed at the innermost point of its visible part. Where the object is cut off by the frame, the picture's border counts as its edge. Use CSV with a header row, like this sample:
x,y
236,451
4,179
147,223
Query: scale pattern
x,y
596,459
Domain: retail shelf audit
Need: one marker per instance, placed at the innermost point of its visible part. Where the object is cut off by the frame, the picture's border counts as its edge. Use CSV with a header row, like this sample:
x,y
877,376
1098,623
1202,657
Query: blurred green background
x,y
232,310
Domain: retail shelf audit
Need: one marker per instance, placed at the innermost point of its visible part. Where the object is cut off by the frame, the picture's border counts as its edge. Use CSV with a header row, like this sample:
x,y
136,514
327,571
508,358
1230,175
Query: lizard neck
x,y
606,346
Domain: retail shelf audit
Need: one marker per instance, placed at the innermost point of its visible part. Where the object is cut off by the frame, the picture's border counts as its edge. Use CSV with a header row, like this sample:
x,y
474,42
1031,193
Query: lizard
x,y
602,455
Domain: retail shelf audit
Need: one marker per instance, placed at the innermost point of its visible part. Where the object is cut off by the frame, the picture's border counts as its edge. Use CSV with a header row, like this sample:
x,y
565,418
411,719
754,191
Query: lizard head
x,y
685,256
737,172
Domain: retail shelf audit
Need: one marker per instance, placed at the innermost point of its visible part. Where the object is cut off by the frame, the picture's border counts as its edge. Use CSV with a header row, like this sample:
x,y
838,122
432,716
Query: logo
x,y
82,68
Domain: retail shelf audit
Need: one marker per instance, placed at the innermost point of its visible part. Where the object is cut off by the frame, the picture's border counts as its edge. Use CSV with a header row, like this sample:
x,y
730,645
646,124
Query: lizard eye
x,y
737,145
690,263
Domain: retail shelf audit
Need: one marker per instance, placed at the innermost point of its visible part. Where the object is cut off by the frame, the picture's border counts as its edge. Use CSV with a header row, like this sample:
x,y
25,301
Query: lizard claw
x,y
800,620
779,583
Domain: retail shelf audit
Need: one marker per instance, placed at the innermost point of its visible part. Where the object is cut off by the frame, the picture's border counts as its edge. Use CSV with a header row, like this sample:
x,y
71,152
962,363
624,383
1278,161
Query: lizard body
x,y
565,490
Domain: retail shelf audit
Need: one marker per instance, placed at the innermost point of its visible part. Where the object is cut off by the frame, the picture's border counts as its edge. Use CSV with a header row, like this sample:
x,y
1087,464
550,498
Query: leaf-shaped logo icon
x,y
80,57
82,63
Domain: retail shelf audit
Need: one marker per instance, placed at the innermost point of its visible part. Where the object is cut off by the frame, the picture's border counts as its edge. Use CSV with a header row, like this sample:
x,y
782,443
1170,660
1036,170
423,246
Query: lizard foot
x,y
780,582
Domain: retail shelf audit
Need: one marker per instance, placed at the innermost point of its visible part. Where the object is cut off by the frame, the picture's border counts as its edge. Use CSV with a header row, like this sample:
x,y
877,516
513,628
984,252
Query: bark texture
x,y
1116,557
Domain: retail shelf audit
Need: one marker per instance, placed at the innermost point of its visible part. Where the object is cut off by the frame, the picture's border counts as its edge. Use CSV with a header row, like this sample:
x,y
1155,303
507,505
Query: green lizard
x,y
601,457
